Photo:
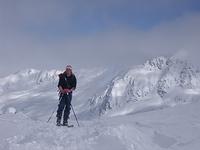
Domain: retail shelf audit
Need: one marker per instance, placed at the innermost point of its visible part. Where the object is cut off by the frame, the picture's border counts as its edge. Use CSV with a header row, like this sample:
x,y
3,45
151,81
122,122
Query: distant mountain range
x,y
157,83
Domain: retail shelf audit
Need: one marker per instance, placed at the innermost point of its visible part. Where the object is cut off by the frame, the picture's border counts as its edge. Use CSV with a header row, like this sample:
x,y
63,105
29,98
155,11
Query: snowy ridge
x,y
178,74
169,81
27,79
99,93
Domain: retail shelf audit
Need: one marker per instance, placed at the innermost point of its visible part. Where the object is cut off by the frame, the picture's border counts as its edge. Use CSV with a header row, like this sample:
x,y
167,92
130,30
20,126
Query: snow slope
x,y
176,128
135,109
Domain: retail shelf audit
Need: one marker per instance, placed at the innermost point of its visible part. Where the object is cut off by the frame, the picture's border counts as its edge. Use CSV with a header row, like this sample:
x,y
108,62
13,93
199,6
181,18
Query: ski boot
x,y
58,122
67,125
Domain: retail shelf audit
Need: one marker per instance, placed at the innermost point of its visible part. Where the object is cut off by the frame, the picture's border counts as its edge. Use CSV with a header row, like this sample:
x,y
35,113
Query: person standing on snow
x,y
67,84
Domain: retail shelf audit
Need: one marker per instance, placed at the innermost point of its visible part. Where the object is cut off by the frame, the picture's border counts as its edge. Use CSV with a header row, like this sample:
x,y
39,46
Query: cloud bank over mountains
x,y
49,34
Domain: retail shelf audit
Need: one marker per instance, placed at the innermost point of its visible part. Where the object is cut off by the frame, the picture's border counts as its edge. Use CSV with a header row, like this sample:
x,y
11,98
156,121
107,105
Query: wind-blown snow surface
x,y
140,108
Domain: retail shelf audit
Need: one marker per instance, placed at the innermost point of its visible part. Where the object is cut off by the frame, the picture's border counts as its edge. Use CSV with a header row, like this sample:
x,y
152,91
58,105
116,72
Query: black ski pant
x,y
64,105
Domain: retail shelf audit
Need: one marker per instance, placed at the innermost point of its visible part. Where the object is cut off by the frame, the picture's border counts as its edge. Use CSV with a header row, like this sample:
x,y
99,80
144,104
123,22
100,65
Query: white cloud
x,y
118,44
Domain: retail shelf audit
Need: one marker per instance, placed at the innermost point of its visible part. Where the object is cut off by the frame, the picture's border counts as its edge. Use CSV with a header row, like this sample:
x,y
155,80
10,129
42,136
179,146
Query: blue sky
x,y
109,32
90,17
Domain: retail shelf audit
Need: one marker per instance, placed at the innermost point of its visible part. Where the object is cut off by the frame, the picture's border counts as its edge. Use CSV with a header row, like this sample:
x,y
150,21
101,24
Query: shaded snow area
x,y
154,106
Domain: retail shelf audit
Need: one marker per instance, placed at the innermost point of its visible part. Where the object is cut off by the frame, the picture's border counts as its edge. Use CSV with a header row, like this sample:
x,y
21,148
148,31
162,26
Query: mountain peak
x,y
156,63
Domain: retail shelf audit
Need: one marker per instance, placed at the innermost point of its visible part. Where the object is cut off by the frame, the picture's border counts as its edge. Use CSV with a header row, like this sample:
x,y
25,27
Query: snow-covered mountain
x,y
27,79
128,108
169,81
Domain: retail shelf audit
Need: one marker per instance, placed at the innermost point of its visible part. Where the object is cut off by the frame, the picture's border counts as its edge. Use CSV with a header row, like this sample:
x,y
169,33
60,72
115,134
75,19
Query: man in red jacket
x,y
67,84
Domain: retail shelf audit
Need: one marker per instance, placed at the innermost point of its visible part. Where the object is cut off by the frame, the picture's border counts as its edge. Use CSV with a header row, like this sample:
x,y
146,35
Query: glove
x,y
67,91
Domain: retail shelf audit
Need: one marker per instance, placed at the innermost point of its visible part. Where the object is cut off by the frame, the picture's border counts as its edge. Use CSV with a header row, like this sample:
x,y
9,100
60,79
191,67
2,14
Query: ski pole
x,y
54,110
75,115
